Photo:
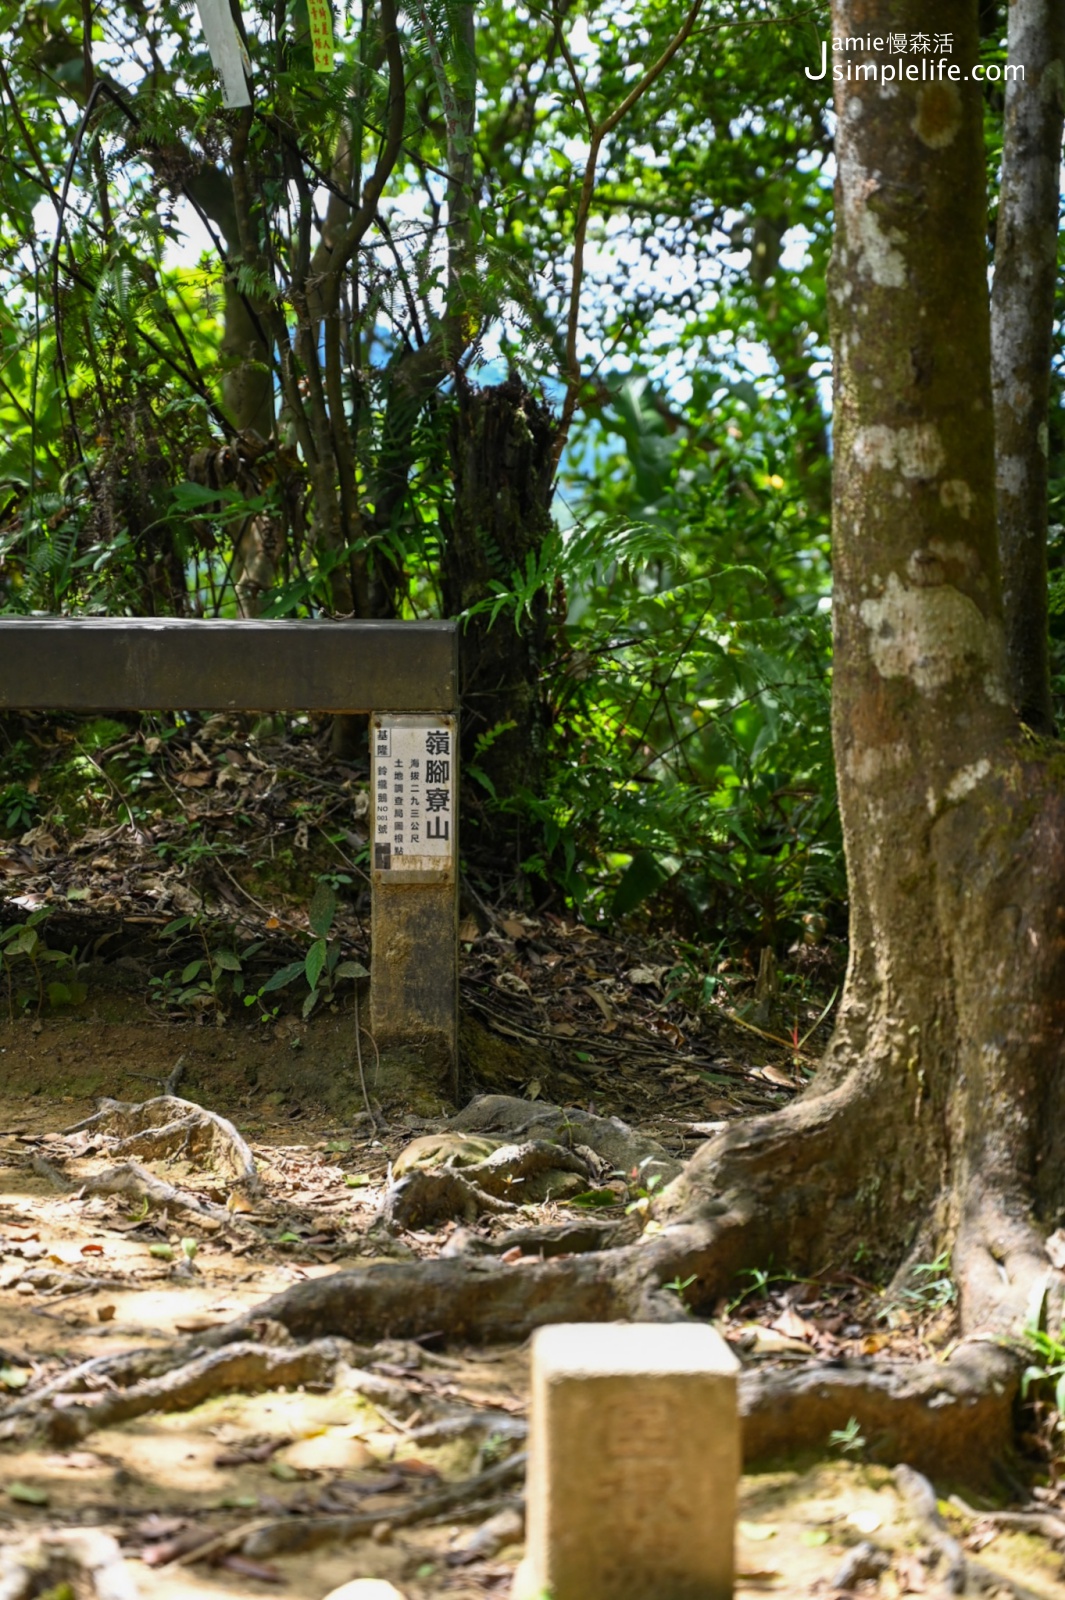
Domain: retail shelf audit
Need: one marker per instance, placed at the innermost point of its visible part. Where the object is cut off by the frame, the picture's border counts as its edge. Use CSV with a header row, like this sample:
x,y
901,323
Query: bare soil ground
x,y
86,1276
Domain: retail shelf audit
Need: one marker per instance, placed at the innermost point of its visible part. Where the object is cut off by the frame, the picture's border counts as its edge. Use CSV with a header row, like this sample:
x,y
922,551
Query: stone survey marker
x,y
634,1461
407,672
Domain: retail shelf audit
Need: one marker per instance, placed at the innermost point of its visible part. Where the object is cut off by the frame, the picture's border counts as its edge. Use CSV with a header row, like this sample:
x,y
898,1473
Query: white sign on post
x,y
412,770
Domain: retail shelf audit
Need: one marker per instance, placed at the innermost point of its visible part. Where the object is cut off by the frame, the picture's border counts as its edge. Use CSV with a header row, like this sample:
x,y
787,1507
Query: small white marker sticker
x,y
412,774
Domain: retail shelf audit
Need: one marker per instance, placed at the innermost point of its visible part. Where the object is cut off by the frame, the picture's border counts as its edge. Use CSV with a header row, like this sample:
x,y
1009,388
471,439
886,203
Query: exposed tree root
x,y
168,1126
568,1238
764,1190
1045,1523
420,1199
962,1573
952,1418
85,1560
620,1146
506,1169
494,1185
130,1179
920,1497
129,1366
248,1367
309,1533
468,1298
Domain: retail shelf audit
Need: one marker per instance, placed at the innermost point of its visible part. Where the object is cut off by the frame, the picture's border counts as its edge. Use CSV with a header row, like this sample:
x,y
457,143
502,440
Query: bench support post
x,y
414,856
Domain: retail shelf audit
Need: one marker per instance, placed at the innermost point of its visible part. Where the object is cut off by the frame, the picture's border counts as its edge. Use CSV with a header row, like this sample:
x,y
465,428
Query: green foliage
x,y
848,1440
322,967
1043,1378
761,1278
692,753
689,762
23,945
934,1288
18,807
204,983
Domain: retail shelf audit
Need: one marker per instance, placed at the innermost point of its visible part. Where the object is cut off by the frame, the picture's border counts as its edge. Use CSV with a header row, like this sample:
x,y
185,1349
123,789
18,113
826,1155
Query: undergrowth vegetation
x,y
166,419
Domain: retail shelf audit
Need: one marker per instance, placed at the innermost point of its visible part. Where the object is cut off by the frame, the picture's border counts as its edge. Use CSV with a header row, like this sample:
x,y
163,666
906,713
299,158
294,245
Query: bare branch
x,y
599,132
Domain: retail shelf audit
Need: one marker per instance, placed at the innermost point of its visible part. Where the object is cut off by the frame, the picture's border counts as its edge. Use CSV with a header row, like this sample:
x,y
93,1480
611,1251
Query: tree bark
x,y
952,833
502,444
1022,321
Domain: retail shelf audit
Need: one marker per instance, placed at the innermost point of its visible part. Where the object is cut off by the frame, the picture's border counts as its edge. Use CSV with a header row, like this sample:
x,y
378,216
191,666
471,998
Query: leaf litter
x,y
139,1229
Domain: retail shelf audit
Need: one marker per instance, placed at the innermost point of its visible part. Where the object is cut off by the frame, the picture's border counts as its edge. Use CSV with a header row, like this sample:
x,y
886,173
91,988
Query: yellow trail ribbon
x,y
321,19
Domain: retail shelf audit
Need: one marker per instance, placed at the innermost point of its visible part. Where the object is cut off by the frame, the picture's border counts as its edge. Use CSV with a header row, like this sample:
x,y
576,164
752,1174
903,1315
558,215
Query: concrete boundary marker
x,y
634,1463
407,672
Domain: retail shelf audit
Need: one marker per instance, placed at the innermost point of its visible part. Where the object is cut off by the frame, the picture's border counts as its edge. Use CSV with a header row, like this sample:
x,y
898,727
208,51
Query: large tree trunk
x,y
502,446
937,1119
953,834
1022,321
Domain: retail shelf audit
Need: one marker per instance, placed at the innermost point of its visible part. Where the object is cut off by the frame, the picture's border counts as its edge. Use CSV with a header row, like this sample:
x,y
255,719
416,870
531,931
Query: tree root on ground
x,y
613,1141
502,1173
292,1535
565,1239
168,1126
128,1366
130,1179
952,1418
246,1366
765,1187
84,1560
757,1191
962,1573
1047,1524
422,1197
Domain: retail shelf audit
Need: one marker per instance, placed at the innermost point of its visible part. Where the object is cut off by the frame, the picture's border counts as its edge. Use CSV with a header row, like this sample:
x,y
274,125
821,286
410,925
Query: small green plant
x,y
642,1189
19,807
203,982
848,1440
1043,1379
321,967
760,1278
678,1285
933,1288
24,942
194,848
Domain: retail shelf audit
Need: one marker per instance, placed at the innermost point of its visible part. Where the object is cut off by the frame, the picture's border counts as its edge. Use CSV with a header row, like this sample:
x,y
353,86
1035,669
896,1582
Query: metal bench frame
x,y
395,668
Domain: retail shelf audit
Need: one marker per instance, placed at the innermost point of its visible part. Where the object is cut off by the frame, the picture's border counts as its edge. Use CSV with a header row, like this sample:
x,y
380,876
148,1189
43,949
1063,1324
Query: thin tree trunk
x,y
1022,319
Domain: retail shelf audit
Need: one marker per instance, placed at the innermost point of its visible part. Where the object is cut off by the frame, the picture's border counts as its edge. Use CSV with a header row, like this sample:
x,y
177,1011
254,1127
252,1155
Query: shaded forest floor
x,y
84,1277
417,1445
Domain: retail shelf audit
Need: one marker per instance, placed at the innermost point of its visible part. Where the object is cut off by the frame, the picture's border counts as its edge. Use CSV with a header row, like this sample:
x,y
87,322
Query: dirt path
x,y
84,1277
